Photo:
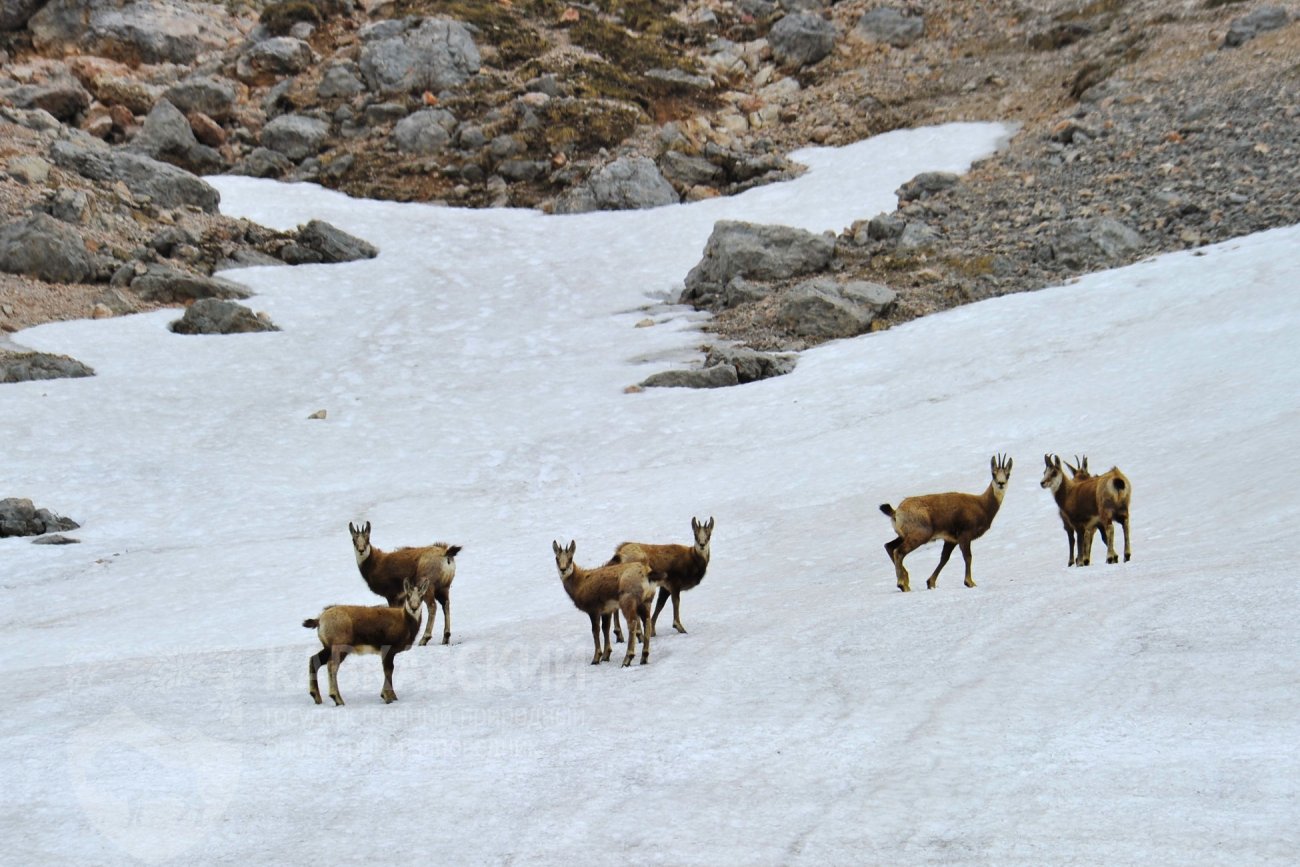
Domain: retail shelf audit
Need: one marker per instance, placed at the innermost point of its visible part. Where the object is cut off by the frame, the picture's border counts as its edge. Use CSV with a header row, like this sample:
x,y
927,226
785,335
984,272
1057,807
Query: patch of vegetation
x,y
625,50
583,125
1216,4
505,28
972,266
279,18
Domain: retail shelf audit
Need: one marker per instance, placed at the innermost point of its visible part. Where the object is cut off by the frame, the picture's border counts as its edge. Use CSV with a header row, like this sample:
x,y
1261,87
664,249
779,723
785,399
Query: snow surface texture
x,y
156,700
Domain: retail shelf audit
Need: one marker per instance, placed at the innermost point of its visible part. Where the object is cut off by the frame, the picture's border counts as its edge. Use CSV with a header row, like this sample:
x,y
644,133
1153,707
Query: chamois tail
x,y
311,623
887,509
452,551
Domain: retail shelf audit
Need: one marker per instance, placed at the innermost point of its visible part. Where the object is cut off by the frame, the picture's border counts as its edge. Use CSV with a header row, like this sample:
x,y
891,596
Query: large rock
x,y
62,97
210,95
167,135
20,517
756,252
424,132
146,177
927,184
417,54
1092,243
750,364
296,136
886,24
31,366
263,163
14,13
133,31
318,241
213,316
822,309
718,376
167,285
801,39
43,247
1248,26
272,59
630,183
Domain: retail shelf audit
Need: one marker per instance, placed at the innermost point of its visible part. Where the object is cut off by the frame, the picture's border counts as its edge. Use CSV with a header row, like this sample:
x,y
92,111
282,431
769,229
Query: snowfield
x,y
156,704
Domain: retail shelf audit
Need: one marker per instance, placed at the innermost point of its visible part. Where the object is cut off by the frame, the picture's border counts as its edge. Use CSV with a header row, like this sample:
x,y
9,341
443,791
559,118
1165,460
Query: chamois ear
x,y
1047,460
555,546
573,546
710,524
1010,461
365,531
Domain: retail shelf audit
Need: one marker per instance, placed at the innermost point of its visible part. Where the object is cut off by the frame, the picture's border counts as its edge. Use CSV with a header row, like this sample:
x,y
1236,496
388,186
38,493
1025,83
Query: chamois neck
x,y
993,497
702,551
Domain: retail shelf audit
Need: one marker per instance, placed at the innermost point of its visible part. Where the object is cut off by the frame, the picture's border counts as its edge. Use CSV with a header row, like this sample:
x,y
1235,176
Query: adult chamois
x,y
604,590
344,629
1090,504
683,566
386,572
957,519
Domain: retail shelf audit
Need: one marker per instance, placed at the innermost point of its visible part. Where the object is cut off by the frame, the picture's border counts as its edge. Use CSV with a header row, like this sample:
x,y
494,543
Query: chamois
x,y
1091,504
386,571
604,590
1079,470
957,519
345,629
683,565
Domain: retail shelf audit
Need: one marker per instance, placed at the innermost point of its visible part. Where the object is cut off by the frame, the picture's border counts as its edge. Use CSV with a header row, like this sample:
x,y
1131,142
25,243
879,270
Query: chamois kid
x,y
344,629
682,565
602,591
387,571
1090,504
957,519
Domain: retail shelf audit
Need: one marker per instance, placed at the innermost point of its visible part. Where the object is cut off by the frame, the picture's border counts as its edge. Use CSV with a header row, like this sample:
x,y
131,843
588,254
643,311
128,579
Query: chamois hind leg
x,y
643,611
387,693
943,561
604,626
444,599
1069,537
1108,536
633,628
677,611
900,549
618,629
1123,522
664,593
337,655
965,553
313,666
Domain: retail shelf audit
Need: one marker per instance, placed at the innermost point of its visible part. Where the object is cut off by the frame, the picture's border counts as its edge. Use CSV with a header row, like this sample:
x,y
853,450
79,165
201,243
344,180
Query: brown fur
x,y
605,590
386,571
682,565
344,629
1088,505
958,519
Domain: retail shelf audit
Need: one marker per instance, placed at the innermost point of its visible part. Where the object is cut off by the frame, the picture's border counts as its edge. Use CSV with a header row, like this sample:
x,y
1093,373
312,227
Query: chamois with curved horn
x,y
386,572
604,590
958,519
345,629
684,566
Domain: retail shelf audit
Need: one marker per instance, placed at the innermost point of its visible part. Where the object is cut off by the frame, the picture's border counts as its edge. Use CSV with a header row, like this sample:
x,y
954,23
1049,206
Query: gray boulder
x,y
271,59
417,54
20,517
210,95
750,364
927,184
43,247
340,81
30,366
167,185
296,136
631,183
1248,26
134,31
1093,242
886,24
263,163
14,13
64,98
167,285
756,252
822,309
166,135
424,132
917,235
328,244
213,316
885,227
801,39
689,170
718,376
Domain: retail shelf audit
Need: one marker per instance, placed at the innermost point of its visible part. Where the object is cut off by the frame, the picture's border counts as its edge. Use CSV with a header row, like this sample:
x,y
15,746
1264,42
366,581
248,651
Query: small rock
x,y
318,414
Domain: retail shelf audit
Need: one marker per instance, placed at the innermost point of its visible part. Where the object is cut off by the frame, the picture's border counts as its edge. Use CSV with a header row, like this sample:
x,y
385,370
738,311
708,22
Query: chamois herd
x,y
414,578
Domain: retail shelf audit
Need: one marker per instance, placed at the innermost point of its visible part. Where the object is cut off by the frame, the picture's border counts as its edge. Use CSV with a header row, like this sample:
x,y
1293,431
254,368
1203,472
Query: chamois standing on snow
x,y
606,589
387,571
344,629
683,566
1079,471
1090,504
957,519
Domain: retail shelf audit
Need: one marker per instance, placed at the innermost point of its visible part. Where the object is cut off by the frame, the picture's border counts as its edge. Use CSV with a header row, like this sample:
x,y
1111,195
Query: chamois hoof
x,y
679,628
446,638
1114,559
389,699
627,662
1128,557
970,583
338,700
424,641
315,698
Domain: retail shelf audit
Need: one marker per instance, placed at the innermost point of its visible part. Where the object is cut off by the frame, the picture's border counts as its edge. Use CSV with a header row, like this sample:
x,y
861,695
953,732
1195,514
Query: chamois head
x,y
1079,469
360,539
564,557
412,593
703,532
1053,474
1000,466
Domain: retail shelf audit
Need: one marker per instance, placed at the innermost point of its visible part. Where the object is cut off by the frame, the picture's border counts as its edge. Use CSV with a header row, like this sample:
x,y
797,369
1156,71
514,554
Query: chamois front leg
x,y
604,627
432,605
595,637
387,693
664,594
618,629
337,655
313,666
445,601
1069,537
965,552
943,561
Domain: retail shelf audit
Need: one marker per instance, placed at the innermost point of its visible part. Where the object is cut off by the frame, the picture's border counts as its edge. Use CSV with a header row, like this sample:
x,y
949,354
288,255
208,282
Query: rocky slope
x,y
1145,126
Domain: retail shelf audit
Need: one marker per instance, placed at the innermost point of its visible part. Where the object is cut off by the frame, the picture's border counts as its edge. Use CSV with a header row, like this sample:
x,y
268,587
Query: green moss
x,y
279,18
625,50
583,125
502,27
